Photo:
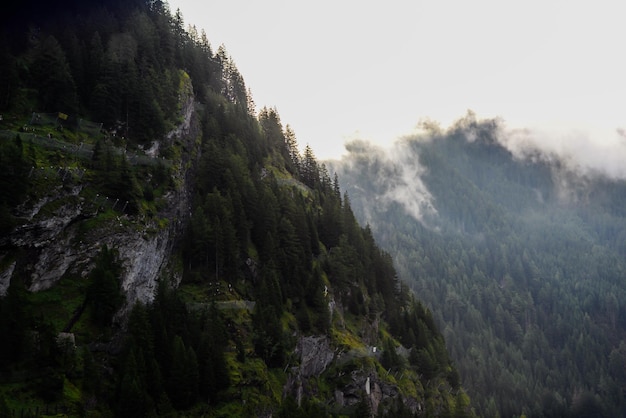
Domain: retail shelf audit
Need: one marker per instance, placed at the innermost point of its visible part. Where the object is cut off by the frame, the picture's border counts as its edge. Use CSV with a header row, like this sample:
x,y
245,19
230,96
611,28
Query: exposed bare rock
x,y
143,260
5,278
49,241
315,355
53,241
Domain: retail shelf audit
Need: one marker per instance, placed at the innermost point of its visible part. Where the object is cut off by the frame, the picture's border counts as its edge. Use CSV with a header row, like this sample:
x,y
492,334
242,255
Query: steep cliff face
x,y
55,237
281,304
317,358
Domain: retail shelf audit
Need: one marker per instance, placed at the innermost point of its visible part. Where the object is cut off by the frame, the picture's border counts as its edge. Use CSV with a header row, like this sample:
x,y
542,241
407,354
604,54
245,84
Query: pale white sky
x,y
343,69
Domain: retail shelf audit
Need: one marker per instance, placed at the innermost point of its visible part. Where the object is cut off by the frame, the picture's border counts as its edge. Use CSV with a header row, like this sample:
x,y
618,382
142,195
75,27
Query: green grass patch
x,y
58,304
106,218
346,340
207,291
409,384
50,208
289,322
22,401
252,372
42,182
276,380
192,293
71,393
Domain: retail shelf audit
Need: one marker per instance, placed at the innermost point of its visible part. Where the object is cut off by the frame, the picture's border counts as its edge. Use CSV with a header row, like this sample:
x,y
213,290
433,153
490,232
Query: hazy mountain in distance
x,y
520,244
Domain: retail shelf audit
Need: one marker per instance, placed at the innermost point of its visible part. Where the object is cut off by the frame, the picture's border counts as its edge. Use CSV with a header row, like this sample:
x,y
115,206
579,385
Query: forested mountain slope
x,y
522,255
166,250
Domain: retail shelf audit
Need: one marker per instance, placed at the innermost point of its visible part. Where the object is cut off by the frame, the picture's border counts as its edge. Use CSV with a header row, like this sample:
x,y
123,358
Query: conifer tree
x,y
131,398
309,170
126,187
183,377
104,296
292,148
51,76
13,324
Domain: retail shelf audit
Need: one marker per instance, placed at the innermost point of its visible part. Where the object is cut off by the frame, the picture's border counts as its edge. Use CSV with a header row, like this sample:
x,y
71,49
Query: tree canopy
x,y
519,259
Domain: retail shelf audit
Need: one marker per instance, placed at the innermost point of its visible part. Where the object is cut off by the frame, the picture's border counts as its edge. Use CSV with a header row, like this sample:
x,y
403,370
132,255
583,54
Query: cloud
x,y
584,152
393,174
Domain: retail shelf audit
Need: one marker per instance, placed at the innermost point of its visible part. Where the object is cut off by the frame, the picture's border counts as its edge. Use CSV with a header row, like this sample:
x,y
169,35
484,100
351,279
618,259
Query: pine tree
x,y
213,372
268,334
126,187
131,400
183,377
104,296
14,324
5,411
309,170
14,176
294,153
51,76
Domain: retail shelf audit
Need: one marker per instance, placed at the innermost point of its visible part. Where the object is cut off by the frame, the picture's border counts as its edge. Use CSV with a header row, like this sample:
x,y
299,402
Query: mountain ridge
x,y
185,258
523,256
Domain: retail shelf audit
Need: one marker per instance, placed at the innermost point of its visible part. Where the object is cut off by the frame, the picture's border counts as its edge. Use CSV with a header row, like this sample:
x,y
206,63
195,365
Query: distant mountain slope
x,y
524,258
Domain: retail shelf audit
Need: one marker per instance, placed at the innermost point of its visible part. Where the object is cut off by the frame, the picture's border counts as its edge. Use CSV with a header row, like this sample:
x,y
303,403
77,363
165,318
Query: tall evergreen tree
x,y
309,170
52,77
14,324
104,296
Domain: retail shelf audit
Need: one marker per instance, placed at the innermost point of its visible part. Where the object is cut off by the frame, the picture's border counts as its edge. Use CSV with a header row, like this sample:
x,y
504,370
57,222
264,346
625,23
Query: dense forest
x,y
121,128
520,257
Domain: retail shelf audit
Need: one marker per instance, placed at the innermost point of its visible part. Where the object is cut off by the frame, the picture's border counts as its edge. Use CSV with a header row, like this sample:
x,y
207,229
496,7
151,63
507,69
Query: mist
x,y
394,174
584,152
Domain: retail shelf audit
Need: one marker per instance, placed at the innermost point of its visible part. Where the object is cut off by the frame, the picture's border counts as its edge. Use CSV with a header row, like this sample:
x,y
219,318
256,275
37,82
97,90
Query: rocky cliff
x,y
320,359
56,236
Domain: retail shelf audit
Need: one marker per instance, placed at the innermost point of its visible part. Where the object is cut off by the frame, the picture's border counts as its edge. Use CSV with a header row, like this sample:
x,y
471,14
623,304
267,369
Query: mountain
x,y
519,254
167,250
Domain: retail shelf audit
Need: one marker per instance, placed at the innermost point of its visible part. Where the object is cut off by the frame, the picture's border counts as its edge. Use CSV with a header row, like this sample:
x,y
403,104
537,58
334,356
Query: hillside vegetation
x,y
168,251
521,260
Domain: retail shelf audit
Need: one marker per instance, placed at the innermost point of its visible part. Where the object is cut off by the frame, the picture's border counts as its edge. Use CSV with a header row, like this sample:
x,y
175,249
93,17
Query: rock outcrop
x,y
316,356
51,240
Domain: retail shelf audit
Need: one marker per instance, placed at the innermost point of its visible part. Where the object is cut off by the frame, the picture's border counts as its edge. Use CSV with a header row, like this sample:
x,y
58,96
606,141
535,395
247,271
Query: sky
x,y
346,69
